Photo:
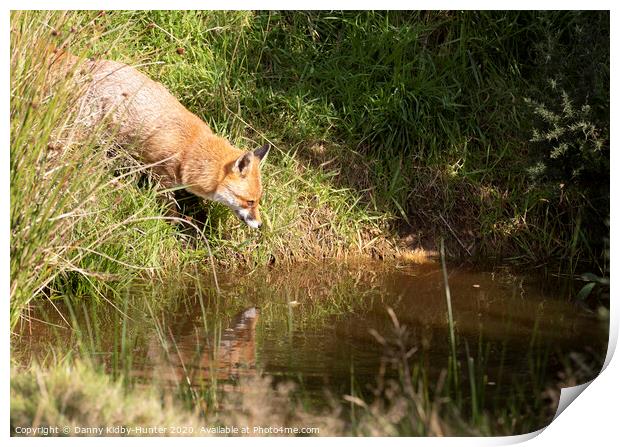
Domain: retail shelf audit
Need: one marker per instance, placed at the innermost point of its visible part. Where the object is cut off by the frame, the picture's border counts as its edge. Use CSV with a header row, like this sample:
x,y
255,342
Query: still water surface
x,y
318,324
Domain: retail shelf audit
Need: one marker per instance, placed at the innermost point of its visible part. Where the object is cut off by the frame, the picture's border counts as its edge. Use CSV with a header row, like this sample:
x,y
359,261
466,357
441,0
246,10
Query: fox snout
x,y
250,216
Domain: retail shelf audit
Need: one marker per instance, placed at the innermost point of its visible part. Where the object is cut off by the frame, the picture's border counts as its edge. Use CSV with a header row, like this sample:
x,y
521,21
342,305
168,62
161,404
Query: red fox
x,y
182,147
195,357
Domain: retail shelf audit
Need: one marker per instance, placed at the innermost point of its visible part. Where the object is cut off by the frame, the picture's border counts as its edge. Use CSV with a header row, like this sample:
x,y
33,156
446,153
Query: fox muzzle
x,y
250,220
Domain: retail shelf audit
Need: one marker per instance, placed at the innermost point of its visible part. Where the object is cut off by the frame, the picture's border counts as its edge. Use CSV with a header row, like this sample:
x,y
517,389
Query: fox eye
x,y
250,203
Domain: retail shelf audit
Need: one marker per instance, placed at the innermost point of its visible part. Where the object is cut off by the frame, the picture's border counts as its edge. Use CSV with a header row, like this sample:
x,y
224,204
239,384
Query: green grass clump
x,y
421,115
76,229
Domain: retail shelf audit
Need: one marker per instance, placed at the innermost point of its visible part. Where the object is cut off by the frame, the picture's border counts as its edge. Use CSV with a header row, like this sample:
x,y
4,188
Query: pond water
x,y
320,326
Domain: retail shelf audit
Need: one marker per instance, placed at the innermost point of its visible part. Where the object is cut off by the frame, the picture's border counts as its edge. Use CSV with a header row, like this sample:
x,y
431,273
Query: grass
x,y
423,131
381,145
77,395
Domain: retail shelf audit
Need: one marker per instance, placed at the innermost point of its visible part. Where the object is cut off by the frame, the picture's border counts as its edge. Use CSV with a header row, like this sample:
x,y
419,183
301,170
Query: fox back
x,y
180,148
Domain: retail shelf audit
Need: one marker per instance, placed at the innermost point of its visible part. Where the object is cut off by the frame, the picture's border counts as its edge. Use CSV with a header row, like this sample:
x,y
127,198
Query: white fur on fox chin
x,y
245,215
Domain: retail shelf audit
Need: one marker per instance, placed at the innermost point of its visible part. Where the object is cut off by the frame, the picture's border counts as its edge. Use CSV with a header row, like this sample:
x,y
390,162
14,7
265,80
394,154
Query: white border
x,y
590,419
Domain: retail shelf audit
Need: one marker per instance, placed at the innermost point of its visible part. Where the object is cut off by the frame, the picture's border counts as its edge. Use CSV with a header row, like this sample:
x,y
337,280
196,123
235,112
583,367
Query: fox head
x,y
241,188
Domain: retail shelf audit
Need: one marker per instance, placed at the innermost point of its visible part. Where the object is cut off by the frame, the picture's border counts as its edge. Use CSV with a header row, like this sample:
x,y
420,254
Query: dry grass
x,y
76,395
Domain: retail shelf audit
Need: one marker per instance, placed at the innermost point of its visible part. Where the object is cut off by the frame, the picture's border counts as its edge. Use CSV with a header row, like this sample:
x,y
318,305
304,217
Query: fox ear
x,y
242,164
262,151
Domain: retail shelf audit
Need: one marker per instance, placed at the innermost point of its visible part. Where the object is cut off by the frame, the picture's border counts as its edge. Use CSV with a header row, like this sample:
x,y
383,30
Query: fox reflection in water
x,y
189,355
